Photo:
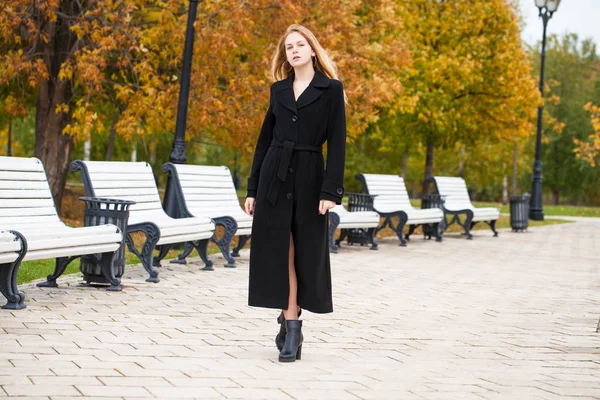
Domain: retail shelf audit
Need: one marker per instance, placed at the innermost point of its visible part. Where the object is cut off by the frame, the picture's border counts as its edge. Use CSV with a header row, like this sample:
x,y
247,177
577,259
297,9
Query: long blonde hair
x,y
281,69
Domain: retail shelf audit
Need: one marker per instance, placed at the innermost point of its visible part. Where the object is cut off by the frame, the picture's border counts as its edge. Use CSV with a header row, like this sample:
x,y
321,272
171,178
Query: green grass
x,y
503,222
549,210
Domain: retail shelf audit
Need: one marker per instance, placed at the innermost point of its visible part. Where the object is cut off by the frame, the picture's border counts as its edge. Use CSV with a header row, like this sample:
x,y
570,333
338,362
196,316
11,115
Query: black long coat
x,y
288,180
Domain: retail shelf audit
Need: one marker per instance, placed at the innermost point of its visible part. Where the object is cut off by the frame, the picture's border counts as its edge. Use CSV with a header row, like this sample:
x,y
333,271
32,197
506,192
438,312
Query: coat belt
x,y
284,163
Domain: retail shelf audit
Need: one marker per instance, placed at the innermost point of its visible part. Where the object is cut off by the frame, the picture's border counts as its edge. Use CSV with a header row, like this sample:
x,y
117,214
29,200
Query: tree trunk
x,y
111,139
87,148
555,196
461,161
405,162
153,152
505,190
428,169
514,168
51,146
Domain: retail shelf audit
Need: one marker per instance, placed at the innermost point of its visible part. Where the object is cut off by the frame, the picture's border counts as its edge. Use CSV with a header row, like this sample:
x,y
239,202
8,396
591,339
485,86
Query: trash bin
x,y
359,202
519,213
100,211
433,201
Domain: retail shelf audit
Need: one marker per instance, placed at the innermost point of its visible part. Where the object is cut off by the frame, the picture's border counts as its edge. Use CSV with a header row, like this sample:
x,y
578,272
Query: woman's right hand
x,y
249,206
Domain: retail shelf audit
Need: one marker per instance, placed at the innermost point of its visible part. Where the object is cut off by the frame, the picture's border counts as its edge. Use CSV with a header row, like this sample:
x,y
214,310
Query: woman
x,y
290,191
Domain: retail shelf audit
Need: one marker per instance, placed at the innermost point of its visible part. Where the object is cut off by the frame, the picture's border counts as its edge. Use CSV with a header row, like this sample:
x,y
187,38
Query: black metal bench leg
x,y
108,271
152,233
411,229
467,224
162,253
188,247
8,288
334,221
372,238
202,248
59,269
224,243
439,231
242,240
343,235
400,230
493,226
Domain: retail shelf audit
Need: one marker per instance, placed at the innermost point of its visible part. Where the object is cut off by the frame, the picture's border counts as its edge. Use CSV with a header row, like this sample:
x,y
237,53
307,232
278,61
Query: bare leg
x,y
292,311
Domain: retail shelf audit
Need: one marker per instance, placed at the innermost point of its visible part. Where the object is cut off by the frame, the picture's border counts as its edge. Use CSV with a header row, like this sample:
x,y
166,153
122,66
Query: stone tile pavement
x,y
512,317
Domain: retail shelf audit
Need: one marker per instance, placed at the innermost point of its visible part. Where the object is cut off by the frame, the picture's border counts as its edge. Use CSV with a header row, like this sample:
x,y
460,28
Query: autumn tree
x,y
572,78
70,53
589,150
471,77
230,81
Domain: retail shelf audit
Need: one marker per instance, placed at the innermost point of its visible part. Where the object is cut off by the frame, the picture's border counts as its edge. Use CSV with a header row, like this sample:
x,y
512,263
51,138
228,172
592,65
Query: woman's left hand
x,y
325,205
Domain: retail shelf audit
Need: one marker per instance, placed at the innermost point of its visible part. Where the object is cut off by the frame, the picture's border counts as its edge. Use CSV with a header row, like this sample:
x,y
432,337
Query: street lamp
x,y
178,152
536,211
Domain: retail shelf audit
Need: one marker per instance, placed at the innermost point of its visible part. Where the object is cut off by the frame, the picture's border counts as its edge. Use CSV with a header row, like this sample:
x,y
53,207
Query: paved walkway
x,y
512,317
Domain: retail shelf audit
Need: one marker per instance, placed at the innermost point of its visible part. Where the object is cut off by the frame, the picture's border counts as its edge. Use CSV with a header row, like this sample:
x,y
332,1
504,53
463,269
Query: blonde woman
x,y
290,190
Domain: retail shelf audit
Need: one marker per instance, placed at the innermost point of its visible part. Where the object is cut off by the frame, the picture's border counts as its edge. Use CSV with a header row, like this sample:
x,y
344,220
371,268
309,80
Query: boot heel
x,y
299,353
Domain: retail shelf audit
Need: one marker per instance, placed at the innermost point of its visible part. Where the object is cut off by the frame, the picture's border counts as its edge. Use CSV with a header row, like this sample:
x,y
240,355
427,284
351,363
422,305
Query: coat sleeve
x,y
264,141
333,183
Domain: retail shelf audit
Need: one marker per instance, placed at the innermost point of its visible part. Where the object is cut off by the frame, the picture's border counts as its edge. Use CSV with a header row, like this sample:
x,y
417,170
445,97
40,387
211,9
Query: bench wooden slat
x,y
211,170
24,194
22,176
21,164
23,185
34,211
24,220
70,251
98,168
26,203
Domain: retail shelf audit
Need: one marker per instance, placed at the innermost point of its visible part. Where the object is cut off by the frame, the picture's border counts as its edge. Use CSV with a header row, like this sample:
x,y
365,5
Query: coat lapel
x,y
310,94
286,94
313,91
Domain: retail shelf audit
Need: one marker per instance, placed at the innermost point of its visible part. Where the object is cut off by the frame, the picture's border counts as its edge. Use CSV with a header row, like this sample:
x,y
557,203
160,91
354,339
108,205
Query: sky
x,y
574,16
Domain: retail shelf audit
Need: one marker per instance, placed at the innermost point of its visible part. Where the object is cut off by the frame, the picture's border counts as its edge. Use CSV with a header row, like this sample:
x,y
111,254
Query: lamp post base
x,y
536,214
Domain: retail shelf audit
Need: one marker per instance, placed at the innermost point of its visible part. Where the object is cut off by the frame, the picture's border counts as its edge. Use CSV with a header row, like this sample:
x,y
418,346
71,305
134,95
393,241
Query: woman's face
x,y
297,50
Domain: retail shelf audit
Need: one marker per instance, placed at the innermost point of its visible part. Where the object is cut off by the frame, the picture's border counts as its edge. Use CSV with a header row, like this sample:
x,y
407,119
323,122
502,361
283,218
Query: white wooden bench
x,y
457,202
392,201
27,206
207,191
339,217
12,250
135,181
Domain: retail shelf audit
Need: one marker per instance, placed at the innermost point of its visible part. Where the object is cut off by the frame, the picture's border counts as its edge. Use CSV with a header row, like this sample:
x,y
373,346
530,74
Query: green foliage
x,y
572,67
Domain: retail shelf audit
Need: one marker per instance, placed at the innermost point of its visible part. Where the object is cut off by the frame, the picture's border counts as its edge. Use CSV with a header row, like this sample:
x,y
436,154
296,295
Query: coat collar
x,y
310,94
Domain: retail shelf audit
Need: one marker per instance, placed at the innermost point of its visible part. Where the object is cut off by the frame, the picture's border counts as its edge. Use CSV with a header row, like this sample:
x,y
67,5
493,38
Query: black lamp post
x,y
178,152
536,211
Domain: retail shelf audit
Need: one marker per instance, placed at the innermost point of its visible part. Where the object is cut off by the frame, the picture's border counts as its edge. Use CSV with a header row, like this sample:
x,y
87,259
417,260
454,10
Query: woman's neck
x,y
304,73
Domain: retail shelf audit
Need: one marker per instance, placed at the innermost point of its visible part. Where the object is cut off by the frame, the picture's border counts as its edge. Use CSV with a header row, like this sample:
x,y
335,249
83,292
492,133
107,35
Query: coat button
x,y
291,170
294,118
289,196
340,191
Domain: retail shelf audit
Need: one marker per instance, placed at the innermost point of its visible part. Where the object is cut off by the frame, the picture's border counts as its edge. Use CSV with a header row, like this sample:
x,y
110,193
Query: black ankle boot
x,y
280,338
292,349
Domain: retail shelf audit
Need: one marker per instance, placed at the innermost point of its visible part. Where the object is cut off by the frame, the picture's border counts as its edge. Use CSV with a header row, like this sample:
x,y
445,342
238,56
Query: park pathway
x,y
512,317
